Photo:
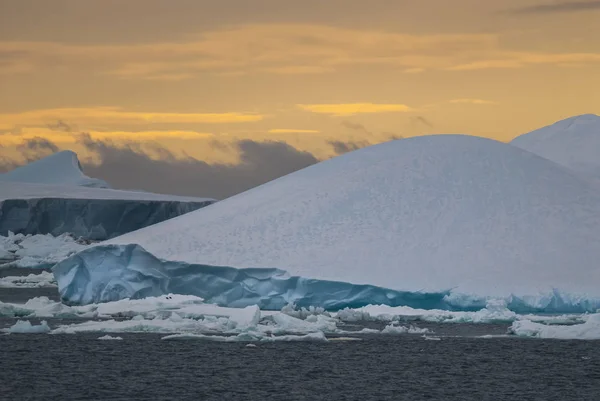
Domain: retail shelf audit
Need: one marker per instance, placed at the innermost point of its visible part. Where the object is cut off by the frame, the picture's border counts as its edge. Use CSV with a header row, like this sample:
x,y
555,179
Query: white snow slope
x,y
573,142
470,216
61,168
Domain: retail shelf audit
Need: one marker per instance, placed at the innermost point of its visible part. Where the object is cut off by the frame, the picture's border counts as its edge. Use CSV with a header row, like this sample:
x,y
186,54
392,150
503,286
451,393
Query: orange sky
x,y
187,73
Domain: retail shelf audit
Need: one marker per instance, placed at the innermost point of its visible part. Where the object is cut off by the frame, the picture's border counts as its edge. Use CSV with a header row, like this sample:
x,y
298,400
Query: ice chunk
x,y
44,279
496,311
25,326
395,328
288,324
174,324
38,251
589,330
109,338
433,222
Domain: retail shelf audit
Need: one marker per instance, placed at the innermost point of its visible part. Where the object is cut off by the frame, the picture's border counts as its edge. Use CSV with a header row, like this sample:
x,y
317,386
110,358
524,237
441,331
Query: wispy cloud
x,y
348,109
420,120
30,133
114,116
279,49
558,7
472,101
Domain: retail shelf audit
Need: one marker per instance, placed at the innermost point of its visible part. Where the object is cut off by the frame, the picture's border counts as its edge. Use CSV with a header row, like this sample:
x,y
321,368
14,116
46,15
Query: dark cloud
x,y
340,147
560,7
60,125
131,167
150,167
355,126
37,148
393,137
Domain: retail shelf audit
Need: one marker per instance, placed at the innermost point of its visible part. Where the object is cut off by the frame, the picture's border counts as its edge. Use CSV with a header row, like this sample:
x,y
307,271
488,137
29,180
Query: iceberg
x,y
444,222
53,196
573,142
61,168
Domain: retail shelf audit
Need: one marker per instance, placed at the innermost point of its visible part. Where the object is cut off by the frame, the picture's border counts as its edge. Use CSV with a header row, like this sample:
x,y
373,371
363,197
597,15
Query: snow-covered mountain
x,y
442,221
61,168
53,196
573,142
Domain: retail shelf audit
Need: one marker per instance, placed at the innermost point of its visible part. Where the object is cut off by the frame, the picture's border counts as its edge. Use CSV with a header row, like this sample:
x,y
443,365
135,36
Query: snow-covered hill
x,y
573,142
460,218
61,168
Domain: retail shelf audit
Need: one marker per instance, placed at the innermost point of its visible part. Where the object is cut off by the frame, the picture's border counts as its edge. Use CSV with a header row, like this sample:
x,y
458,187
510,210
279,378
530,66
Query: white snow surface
x,y
435,213
573,142
24,190
40,250
62,168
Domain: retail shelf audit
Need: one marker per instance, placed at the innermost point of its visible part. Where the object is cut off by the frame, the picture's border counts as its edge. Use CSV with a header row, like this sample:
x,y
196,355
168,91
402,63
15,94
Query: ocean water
x,y
470,362
405,367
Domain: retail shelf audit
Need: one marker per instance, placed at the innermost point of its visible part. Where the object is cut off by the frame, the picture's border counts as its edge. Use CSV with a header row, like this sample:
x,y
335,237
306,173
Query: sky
x,y
210,98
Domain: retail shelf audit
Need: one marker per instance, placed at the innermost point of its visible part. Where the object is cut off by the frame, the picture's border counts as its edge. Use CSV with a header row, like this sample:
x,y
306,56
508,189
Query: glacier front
x,y
442,221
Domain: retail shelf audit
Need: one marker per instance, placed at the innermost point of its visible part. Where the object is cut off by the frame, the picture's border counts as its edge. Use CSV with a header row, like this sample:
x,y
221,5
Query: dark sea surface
x,y
460,366
403,367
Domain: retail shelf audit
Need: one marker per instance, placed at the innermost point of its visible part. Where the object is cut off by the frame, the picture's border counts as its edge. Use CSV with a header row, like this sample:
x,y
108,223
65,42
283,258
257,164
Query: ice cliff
x,y
93,219
443,221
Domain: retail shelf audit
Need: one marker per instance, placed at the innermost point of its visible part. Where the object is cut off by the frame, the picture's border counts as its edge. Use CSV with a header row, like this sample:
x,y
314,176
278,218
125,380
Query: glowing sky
x,y
196,76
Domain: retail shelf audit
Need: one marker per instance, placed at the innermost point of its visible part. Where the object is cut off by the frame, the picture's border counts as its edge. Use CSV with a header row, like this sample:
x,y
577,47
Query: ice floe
x,y
588,330
37,251
109,338
44,279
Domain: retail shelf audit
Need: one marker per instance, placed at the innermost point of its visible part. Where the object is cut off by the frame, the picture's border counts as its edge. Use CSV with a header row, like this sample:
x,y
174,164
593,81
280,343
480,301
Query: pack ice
x,y
573,142
53,196
444,221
